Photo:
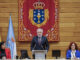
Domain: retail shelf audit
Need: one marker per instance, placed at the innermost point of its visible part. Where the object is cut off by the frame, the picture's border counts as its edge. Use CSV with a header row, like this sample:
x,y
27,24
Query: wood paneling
x,y
8,14
70,39
8,10
8,5
69,0
6,25
70,10
69,15
69,25
8,1
70,20
70,4
5,29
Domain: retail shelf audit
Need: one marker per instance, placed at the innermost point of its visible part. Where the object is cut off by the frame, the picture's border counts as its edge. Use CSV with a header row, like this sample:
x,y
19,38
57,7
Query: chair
x,y
24,54
56,53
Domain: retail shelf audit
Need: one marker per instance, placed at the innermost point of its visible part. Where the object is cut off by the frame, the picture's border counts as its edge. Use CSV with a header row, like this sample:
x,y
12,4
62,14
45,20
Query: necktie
x,y
39,40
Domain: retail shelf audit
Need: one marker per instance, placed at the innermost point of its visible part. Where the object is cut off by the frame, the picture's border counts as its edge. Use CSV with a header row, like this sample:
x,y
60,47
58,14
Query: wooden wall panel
x,y
8,5
69,24
8,14
70,4
8,1
6,25
69,15
70,10
69,1
69,20
8,10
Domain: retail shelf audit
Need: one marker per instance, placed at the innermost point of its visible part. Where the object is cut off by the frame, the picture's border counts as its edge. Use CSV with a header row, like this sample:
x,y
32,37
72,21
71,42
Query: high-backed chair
x,y
24,54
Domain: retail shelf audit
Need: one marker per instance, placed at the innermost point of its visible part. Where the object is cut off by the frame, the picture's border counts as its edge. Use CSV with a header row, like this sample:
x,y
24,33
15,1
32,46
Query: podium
x,y
39,54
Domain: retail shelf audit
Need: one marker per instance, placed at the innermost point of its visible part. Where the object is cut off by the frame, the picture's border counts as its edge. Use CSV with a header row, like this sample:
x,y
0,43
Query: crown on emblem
x,y
38,5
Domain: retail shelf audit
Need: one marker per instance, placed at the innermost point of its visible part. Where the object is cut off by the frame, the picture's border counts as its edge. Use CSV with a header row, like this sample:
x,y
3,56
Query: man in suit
x,y
39,42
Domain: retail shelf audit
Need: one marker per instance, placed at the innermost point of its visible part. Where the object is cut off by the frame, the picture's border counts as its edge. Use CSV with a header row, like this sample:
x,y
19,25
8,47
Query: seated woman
x,y
4,52
73,52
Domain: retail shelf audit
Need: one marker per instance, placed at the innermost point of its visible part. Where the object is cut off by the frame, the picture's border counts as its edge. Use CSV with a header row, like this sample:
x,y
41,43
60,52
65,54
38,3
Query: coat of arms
x,y
38,16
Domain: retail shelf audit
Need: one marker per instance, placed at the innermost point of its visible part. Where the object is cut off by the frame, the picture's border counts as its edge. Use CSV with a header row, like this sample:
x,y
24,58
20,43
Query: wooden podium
x,y
39,54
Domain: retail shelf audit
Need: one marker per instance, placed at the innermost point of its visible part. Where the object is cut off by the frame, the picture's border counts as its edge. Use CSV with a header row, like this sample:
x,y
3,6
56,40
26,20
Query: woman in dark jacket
x,y
4,52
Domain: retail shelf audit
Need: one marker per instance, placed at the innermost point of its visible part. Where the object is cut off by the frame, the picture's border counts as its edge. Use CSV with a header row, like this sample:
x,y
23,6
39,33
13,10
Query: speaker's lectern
x,y
39,54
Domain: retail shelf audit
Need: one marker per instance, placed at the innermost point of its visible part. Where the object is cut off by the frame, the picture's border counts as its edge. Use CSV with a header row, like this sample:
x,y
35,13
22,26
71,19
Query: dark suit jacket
x,y
43,46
